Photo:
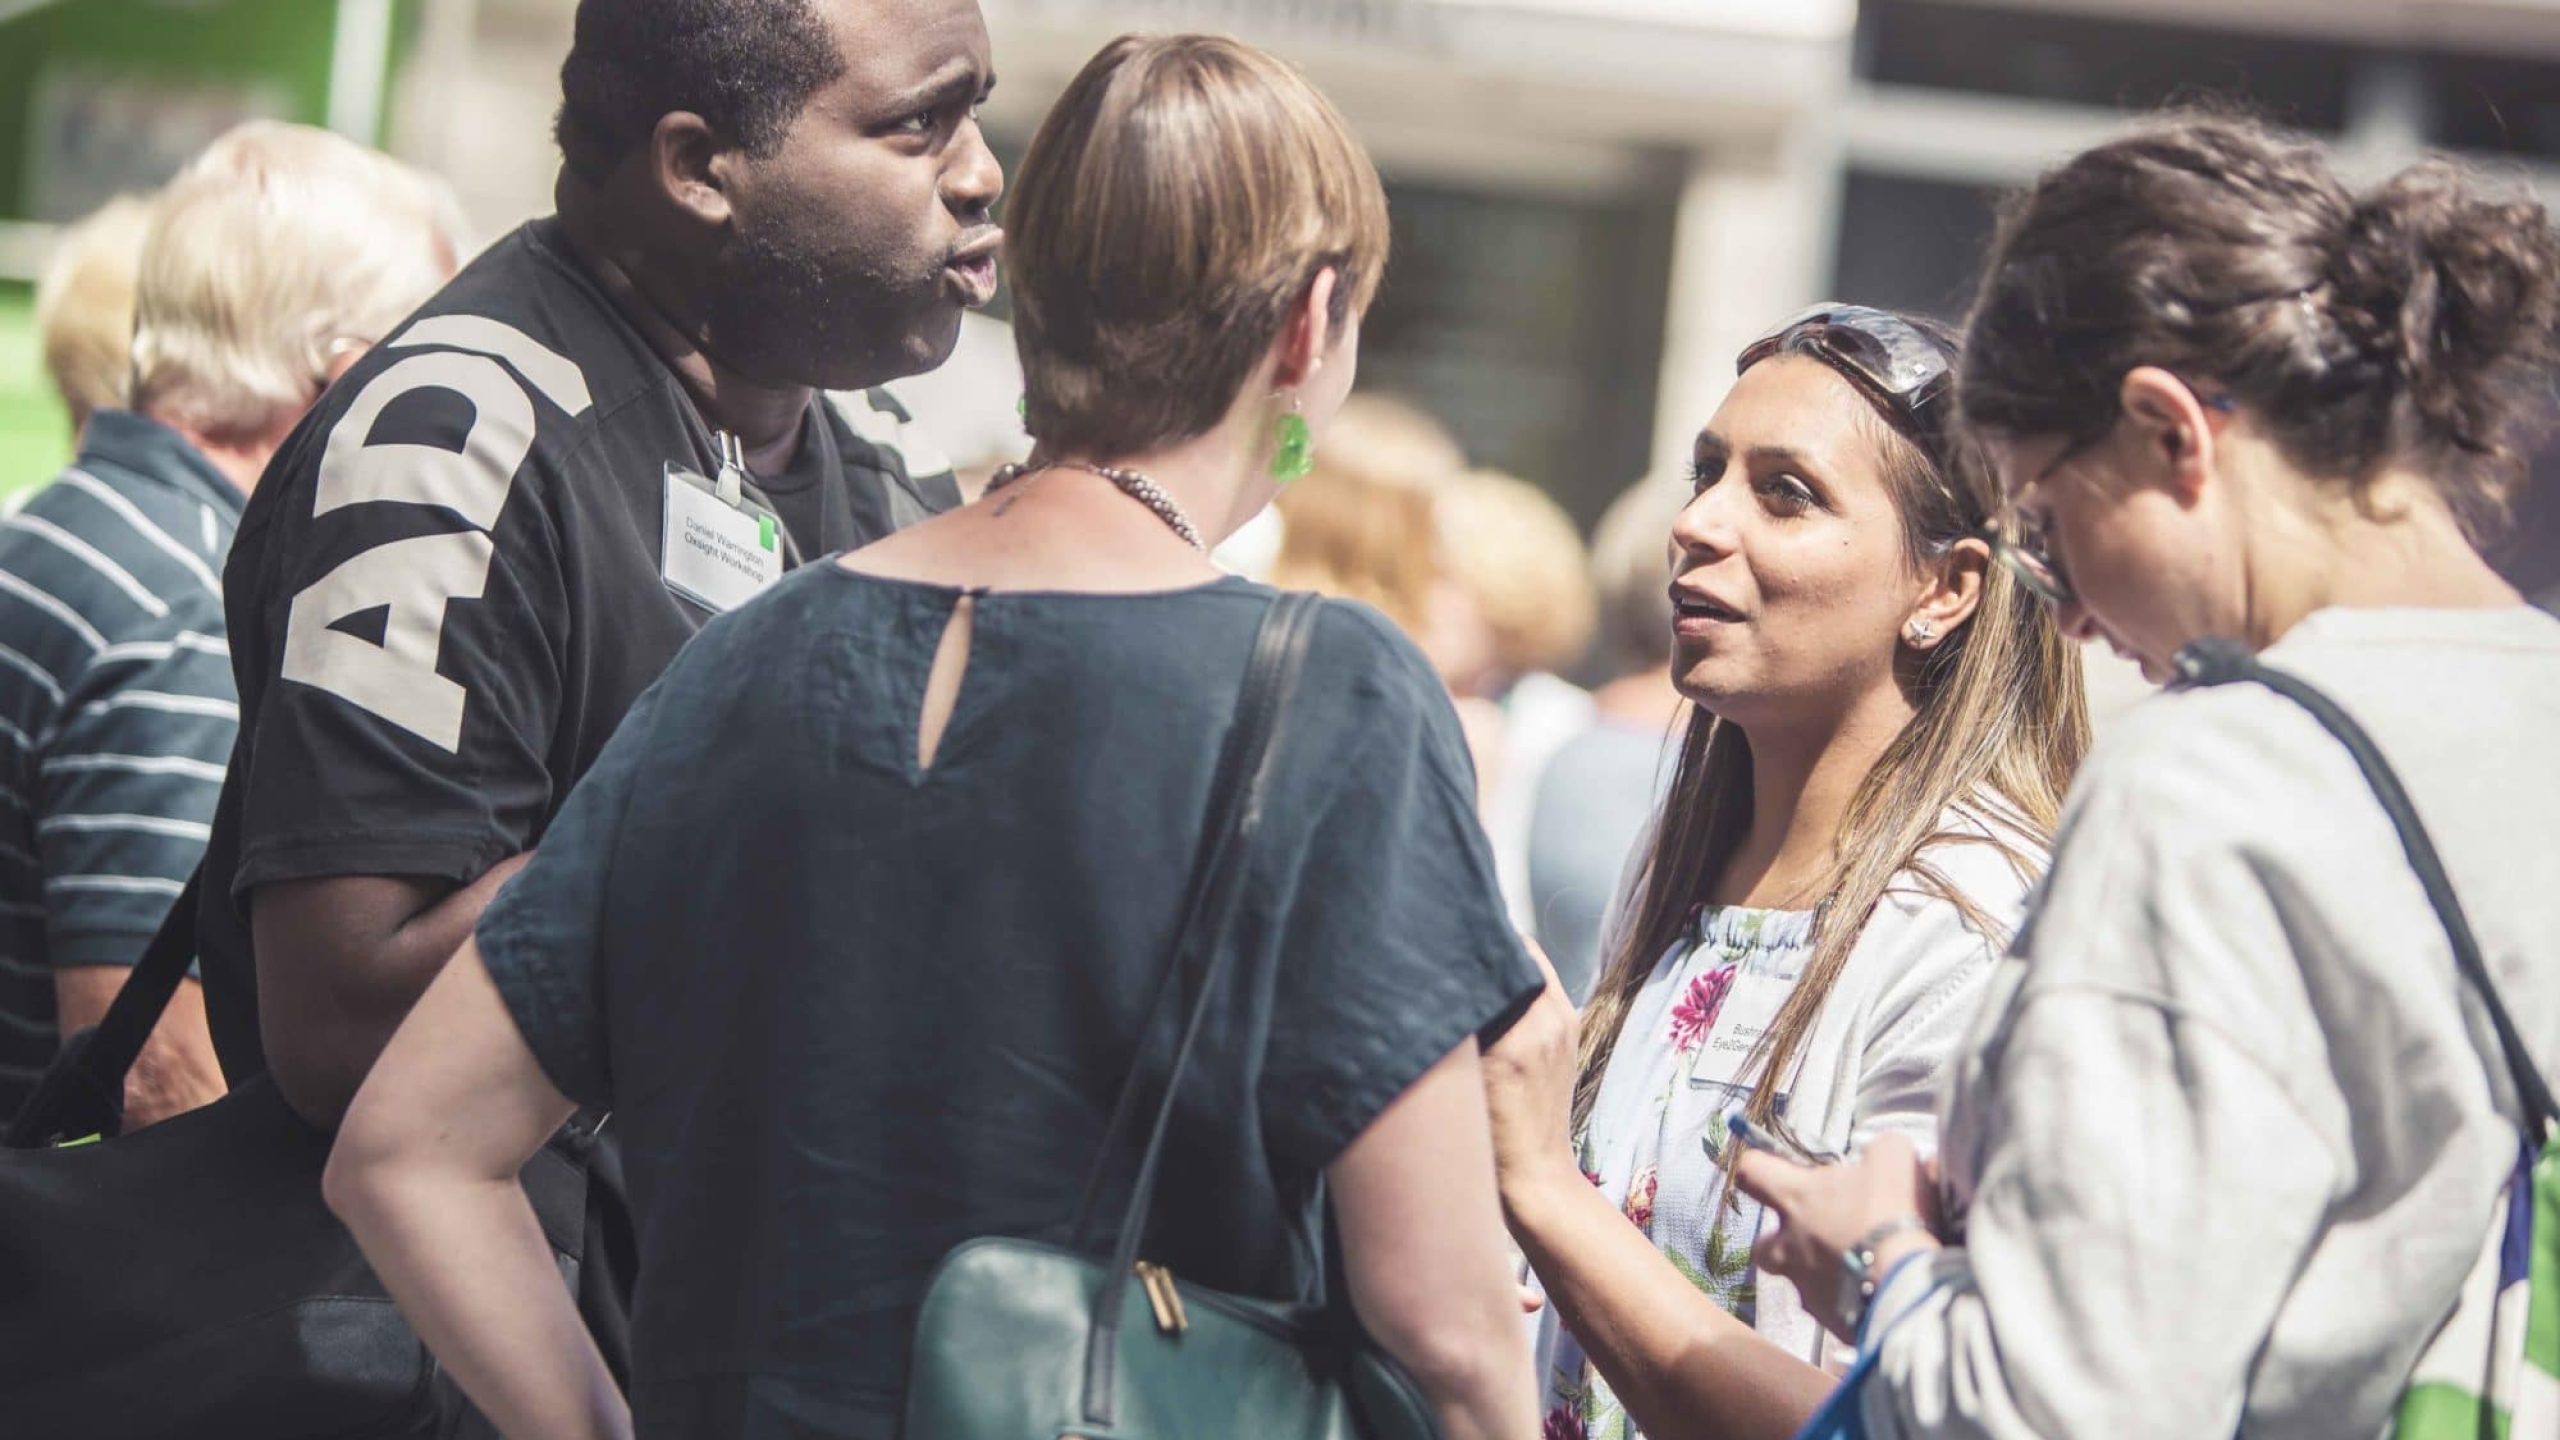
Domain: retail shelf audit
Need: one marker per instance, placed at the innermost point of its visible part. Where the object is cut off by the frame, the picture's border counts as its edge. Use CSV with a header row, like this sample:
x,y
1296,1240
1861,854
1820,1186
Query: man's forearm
x,y
340,964
420,948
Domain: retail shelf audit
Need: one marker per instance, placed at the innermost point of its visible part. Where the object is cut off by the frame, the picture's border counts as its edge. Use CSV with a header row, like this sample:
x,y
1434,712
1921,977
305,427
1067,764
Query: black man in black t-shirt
x,y
496,530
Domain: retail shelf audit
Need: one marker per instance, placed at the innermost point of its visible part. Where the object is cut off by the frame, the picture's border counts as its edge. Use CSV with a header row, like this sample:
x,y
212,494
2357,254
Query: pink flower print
x,y
1695,1015
1563,1423
1640,1198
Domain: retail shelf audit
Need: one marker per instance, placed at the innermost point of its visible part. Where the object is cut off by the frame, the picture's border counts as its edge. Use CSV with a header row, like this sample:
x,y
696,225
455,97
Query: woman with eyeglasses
x,y
1884,723
2230,1139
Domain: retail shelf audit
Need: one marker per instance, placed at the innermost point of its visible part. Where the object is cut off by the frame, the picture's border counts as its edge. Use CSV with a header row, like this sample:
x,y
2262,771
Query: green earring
x,y
1297,453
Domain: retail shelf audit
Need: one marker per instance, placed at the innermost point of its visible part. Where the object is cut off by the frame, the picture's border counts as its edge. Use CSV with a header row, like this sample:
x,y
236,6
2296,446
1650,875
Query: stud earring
x,y
1296,455
1922,632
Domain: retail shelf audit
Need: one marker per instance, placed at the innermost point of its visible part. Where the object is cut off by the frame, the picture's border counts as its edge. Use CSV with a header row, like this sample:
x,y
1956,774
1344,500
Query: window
x,y
2499,106
1532,327
1911,244
2095,60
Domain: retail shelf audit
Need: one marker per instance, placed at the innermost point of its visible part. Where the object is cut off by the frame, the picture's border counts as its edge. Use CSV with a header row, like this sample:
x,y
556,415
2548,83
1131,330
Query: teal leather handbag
x,y
1019,1340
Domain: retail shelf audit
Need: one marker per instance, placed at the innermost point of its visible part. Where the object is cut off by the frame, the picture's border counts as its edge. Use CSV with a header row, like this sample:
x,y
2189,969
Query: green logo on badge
x,y
766,530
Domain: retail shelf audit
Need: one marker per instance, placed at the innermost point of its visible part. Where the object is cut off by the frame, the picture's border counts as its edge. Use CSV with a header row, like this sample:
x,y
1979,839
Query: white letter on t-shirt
x,y
415,577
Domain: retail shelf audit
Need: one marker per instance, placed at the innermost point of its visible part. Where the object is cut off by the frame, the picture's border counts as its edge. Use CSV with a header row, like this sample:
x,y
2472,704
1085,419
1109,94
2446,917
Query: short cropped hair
x,y
1361,524
84,306
747,67
1517,555
1180,198
1631,572
273,251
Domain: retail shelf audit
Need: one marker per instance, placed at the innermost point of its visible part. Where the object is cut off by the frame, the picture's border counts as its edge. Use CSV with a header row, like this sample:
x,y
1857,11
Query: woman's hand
x,y
1824,1210
1528,1082
1681,1364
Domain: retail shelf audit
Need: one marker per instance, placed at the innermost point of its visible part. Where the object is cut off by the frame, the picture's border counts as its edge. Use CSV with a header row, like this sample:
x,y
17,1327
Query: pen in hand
x,y
1740,1127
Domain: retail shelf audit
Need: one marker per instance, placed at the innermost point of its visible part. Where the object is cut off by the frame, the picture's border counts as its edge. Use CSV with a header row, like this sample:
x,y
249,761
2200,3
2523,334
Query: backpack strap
x,y
82,1092
2219,661
1238,794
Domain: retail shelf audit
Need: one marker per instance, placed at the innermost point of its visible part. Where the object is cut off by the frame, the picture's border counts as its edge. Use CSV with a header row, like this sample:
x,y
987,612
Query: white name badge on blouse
x,y
1750,1007
718,553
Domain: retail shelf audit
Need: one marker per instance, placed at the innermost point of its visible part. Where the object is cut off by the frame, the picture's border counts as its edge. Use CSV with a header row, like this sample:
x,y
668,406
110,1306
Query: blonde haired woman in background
x,y
1885,723
84,307
1483,570
1515,605
1601,788
1359,525
1519,562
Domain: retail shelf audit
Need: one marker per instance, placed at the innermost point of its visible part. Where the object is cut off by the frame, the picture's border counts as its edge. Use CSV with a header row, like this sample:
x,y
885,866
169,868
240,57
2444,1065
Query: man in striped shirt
x,y
271,264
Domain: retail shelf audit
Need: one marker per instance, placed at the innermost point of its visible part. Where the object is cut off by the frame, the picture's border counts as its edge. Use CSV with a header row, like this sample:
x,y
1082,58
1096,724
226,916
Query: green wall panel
x,y
277,50
160,69
35,433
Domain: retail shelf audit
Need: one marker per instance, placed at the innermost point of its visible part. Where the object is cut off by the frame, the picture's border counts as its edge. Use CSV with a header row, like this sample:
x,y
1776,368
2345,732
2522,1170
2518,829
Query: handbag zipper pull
x,y
1165,1300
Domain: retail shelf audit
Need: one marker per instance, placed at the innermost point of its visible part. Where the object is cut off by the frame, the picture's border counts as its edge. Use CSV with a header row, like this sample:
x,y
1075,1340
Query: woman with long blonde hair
x,y
1884,725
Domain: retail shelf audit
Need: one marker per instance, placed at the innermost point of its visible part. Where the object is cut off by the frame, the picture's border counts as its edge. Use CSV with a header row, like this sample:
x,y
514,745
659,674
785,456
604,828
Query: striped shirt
x,y
117,713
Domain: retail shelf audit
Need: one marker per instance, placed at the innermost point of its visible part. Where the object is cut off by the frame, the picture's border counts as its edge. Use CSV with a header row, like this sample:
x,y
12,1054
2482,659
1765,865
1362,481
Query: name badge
x,y
1749,1009
716,553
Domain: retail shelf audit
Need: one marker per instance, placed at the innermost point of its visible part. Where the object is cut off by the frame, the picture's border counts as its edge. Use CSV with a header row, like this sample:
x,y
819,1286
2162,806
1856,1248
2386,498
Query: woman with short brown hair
x,y
857,924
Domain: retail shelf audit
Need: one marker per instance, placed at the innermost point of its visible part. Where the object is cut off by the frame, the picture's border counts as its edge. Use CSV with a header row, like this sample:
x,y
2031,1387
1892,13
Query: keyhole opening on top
x,y
942,685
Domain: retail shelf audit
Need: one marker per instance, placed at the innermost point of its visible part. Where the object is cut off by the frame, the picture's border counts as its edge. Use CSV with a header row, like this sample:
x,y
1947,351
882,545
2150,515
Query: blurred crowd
x,y
657,826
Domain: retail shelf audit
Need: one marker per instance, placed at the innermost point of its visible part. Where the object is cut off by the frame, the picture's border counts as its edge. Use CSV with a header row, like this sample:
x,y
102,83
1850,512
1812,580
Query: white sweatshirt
x,y
1886,1041
2226,1140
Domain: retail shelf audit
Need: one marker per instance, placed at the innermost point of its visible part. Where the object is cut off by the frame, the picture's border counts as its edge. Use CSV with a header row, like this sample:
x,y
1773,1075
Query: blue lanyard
x,y
1843,1416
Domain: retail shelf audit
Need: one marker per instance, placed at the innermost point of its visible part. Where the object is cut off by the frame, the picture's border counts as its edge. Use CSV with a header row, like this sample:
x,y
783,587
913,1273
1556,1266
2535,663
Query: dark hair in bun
x,y
2415,324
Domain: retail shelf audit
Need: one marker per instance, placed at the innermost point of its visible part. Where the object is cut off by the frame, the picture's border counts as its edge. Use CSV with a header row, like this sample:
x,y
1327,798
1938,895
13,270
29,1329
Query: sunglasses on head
x,y
1900,368
1895,361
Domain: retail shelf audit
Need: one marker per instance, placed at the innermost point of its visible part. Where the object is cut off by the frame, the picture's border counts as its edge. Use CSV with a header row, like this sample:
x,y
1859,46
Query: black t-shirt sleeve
x,y
892,479
542,937
407,727
1397,946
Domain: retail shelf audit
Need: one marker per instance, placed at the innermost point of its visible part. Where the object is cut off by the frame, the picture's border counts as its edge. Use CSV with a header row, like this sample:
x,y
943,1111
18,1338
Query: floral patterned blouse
x,y
1656,1138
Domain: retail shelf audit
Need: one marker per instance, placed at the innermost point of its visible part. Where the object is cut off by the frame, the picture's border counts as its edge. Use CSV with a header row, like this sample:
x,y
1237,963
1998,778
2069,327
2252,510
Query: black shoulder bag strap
x,y
1236,800
2222,662
82,1092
